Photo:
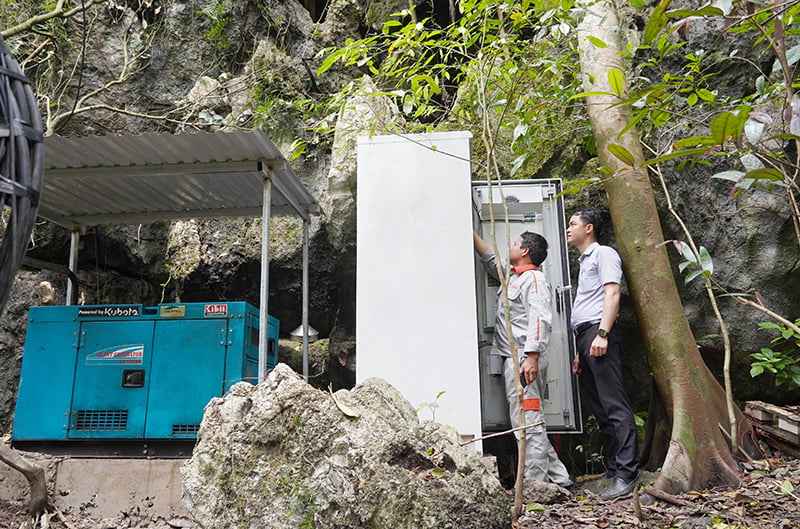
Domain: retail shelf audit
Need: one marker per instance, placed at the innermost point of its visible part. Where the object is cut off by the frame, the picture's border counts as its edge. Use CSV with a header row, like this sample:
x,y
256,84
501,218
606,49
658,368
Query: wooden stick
x,y
498,434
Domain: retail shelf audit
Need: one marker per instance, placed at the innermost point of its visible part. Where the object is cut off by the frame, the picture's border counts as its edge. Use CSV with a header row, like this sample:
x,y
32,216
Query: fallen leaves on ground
x,y
769,497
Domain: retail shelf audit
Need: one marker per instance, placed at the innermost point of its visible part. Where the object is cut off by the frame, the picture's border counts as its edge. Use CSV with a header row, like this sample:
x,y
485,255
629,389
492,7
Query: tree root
x,y
667,497
39,504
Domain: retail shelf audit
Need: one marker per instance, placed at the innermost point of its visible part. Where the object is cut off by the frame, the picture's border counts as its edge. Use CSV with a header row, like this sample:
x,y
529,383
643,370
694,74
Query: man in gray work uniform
x,y
531,316
598,356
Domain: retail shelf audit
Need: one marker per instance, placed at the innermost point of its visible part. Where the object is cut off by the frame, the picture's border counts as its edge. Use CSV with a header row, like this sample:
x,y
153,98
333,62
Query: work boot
x,y
620,487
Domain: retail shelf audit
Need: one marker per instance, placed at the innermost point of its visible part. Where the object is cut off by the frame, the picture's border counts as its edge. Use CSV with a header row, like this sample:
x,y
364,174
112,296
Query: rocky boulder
x,y
285,455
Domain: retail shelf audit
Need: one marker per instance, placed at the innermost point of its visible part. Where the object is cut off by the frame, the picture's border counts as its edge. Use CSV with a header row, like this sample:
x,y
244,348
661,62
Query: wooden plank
x,y
765,411
789,426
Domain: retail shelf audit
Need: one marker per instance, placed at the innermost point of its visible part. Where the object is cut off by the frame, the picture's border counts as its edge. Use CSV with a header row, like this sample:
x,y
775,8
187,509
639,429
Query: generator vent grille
x,y
102,420
185,429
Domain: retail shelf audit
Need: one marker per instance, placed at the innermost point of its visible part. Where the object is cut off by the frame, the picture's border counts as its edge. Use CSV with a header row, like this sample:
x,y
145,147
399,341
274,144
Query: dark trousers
x,y
601,377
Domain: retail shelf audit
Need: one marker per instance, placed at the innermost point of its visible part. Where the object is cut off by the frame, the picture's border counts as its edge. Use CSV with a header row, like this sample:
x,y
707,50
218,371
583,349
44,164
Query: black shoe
x,y
620,487
610,474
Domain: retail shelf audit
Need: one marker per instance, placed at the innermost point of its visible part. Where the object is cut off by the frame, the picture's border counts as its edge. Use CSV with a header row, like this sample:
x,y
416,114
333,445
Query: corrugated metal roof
x,y
143,178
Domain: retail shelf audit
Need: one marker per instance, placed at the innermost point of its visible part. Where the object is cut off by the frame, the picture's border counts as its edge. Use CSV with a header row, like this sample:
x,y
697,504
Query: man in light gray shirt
x,y
598,356
531,315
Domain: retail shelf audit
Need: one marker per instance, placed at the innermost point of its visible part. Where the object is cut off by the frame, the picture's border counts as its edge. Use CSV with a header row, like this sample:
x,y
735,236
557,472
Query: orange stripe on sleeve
x,y
532,405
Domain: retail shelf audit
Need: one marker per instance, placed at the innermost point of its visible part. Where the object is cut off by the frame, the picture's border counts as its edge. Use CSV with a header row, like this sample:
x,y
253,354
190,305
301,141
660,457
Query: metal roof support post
x,y
305,298
263,307
72,285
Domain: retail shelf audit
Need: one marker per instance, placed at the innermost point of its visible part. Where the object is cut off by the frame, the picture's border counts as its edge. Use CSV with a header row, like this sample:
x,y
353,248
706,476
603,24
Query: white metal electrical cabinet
x,y
531,205
424,306
416,323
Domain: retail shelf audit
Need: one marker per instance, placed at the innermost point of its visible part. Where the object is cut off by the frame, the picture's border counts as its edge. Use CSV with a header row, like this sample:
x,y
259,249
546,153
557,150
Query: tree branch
x,y
777,317
58,12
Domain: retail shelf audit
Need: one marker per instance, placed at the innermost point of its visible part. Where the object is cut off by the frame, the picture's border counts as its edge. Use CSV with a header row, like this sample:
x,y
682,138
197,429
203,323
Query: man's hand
x,y
599,346
576,365
530,367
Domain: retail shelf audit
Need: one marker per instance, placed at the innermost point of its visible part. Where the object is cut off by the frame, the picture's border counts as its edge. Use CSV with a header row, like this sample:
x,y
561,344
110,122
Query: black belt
x,y
583,327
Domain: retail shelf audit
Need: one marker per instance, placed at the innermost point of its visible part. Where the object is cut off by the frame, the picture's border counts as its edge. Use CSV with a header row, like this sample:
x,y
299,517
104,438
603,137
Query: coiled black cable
x,y
21,166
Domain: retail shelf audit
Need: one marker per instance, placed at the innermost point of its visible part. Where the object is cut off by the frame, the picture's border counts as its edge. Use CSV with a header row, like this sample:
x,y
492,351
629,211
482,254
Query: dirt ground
x,y
768,498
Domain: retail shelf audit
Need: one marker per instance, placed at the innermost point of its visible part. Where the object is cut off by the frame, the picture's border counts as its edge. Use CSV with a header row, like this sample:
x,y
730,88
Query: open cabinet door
x,y
533,205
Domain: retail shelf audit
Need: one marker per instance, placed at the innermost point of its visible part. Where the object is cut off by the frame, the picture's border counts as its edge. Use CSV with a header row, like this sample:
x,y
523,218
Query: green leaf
x,y
637,117
437,472
331,59
616,80
687,253
707,95
298,147
705,261
692,99
656,22
692,275
534,507
793,54
694,141
519,162
621,153
578,185
389,25
724,126
591,93
597,42
675,154
787,487
785,136
733,176
705,11
637,3
766,173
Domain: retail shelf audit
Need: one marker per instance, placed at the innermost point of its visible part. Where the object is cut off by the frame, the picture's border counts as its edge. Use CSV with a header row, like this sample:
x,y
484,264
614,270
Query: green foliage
x,y
594,458
219,14
640,418
735,130
699,264
783,364
505,67
431,406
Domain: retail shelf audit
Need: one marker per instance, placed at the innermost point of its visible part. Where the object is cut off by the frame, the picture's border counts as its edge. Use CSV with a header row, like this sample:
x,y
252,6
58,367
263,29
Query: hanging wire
x,y
21,166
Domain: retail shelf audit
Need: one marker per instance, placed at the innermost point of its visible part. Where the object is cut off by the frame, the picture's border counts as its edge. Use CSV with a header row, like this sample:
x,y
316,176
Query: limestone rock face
x,y
285,455
363,115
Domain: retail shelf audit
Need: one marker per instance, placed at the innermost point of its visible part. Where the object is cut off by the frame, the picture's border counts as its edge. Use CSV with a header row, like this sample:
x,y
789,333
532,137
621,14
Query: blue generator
x,y
130,372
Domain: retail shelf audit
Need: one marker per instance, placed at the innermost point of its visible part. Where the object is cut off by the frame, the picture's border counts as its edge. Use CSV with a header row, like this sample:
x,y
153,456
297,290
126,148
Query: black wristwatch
x,y
602,333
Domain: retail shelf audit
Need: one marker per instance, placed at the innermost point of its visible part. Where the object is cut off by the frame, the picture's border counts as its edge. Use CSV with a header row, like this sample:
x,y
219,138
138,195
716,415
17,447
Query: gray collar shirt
x,y
530,297
599,265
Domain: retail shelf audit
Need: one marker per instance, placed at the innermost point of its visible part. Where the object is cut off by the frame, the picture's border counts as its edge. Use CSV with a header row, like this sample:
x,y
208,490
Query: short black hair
x,y
536,245
593,217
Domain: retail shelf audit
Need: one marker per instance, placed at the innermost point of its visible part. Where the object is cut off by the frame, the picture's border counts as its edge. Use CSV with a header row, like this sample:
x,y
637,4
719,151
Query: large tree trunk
x,y
39,500
698,455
